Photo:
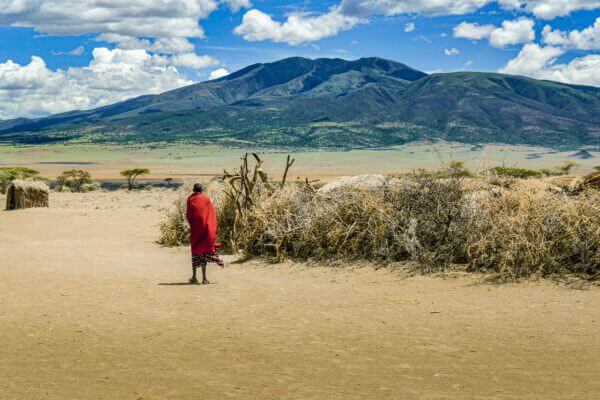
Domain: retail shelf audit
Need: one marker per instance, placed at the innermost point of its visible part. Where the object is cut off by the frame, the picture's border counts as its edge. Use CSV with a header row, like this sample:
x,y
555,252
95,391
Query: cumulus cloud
x,y
532,59
510,33
192,60
467,30
550,9
297,28
300,28
218,73
237,5
586,39
364,8
138,18
541,63
513,32
34,90
172,46
452,52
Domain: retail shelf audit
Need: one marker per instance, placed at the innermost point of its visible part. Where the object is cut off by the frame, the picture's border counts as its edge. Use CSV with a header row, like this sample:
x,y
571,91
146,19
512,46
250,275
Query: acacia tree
x,y
9,174
132,174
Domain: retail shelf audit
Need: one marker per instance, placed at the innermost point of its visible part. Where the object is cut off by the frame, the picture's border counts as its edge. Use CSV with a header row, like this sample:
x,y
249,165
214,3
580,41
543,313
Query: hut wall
x,y
27,194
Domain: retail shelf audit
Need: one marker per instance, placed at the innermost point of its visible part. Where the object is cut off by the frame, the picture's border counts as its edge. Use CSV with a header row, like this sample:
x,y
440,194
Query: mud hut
x,y
27,194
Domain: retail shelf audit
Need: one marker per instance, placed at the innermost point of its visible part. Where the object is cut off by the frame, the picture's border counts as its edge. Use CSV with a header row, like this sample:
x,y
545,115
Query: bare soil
x,y
92,308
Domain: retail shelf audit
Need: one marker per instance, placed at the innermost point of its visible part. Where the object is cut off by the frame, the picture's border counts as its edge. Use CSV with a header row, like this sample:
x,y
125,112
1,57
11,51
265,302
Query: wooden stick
x,y
288,164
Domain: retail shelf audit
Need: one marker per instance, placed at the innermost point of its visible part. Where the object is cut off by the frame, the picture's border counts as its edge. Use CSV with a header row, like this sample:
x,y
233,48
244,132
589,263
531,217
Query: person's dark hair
x,y
198,188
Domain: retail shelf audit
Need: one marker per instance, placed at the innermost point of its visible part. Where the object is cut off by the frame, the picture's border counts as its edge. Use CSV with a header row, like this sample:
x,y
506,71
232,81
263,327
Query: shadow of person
x,y
183,284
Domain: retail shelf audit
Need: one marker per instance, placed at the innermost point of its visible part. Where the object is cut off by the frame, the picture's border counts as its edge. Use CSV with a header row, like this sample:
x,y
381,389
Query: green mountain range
x,y
371,102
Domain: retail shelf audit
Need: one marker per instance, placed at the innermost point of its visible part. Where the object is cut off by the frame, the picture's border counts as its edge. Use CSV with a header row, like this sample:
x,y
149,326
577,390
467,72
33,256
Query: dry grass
x,y
514,229
527,231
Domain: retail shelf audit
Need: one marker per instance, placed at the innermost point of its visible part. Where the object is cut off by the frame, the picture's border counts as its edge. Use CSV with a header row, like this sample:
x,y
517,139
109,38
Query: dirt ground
x,y
92,308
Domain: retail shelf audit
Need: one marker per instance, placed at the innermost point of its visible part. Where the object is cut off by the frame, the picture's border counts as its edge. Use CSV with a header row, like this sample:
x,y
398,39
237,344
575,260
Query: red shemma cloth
x,y
203,224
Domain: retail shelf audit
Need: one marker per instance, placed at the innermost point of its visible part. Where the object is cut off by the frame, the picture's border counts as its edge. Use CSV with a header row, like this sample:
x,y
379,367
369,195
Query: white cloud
x,y
236,5
30,76
176,51
540,63
586,39
511,32
172,46
550,9
192,60
75,52
138,18
467,30
297,29
452,52
531,59
409,27
300,28
218,73
364,8
113,75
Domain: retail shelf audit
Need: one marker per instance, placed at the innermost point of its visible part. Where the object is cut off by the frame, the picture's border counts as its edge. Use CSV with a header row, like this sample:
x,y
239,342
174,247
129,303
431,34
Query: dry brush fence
x,y
517,230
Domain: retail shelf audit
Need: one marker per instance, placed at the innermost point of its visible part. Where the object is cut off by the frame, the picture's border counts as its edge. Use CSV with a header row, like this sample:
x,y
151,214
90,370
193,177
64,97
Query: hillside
x,y
337,103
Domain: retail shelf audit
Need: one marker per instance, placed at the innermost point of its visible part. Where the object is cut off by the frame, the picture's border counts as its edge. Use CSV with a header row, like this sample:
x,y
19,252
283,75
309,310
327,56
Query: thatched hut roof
x,y
27,194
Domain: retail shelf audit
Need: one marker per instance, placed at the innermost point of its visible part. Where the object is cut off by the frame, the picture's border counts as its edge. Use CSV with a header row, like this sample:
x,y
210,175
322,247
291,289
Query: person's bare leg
x,y
193,279
204,280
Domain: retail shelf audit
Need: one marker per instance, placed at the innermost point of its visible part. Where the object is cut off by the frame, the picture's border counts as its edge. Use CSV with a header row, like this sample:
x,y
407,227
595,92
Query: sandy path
x,y
85,314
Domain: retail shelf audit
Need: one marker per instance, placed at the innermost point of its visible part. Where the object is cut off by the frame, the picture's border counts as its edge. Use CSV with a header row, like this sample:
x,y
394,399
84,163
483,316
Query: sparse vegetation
x,y
514,231
132,174
513,172
566,167
76,180
523,173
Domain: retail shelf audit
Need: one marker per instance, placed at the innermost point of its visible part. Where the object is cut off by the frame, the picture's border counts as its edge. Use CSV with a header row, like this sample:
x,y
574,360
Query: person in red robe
x,y
203,232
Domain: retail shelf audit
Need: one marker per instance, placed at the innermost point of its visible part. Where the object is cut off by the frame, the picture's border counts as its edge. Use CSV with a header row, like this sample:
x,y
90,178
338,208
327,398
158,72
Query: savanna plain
x,y
92,307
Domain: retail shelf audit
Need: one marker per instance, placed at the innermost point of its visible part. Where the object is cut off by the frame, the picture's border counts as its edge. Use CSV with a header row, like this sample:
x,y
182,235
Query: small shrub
x,y
457,169
512,172
566,167
454,169
76,180
174,230
563,169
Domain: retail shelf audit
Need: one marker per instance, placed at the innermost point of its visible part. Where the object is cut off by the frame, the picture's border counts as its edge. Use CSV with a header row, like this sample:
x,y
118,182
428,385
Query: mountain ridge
x,y
369,102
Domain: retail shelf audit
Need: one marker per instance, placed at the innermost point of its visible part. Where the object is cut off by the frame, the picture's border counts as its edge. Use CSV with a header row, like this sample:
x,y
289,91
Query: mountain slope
x,y
337,103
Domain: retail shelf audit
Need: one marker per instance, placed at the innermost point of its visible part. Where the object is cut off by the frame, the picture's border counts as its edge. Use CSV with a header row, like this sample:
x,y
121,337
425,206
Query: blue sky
x,y
88,53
